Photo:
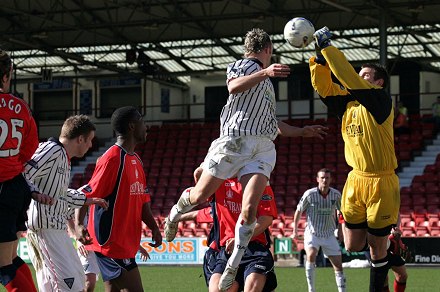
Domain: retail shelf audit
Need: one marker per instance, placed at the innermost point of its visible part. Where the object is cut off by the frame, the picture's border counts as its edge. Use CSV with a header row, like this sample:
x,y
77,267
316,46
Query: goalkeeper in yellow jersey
x,y
370,199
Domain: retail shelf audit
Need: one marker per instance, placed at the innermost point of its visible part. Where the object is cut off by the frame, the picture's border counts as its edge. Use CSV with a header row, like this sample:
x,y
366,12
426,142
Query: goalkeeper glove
x,y
322,37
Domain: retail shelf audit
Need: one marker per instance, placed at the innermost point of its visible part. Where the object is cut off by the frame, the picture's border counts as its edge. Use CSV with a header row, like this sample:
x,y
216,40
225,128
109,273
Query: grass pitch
x,y
190,279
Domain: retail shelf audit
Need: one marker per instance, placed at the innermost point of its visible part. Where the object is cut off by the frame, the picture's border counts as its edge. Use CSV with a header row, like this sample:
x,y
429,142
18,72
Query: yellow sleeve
x,y
343,70
322,80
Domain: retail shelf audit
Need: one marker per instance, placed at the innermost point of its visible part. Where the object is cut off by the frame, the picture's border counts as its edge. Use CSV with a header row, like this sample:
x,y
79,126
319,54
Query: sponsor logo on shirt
x,y
233,207
137,188
354,130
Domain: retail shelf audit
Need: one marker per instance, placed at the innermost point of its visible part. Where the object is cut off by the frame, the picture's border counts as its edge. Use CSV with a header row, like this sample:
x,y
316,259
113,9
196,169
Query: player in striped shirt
x,y
321,205
18,141
245,148
49,243
371,195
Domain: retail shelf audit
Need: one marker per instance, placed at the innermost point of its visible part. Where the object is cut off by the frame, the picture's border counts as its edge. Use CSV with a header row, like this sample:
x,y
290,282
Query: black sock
x,y
378,274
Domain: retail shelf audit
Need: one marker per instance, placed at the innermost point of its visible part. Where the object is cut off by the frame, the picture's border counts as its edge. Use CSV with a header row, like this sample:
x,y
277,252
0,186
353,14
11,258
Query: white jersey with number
x,y
49,170
320,211
252,112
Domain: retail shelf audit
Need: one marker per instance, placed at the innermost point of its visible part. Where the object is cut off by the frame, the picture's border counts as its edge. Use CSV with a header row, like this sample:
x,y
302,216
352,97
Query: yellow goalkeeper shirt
x,y
366,112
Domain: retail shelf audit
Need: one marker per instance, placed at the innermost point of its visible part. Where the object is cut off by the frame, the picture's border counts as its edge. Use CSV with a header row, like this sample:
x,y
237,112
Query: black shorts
x,y
112,268
209,261
256,259
15,197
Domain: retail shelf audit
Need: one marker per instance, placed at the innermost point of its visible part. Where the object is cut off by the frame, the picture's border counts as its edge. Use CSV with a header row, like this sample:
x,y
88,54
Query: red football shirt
x,y
228,199
18,136
120,179
204,215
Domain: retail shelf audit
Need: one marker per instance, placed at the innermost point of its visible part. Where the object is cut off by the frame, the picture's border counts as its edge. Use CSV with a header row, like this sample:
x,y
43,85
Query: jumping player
x,y
245,148
370,199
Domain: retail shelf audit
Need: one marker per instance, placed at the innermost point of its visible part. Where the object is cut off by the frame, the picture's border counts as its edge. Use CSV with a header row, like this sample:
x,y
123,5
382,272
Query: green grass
x,y
190,279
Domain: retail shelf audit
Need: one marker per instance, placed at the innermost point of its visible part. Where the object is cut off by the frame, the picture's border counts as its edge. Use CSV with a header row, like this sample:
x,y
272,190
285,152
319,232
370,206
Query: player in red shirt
x,y
18,141
256,266
120,179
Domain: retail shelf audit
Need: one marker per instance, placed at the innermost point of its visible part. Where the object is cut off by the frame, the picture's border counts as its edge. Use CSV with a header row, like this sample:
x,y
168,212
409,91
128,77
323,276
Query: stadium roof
x,y
182,38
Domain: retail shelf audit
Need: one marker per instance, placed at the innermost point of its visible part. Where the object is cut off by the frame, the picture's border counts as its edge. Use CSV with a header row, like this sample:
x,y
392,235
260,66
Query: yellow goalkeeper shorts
x,y
371,197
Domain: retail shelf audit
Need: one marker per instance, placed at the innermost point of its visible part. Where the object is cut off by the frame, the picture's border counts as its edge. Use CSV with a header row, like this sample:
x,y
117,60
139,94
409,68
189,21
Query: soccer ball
x,y
299,32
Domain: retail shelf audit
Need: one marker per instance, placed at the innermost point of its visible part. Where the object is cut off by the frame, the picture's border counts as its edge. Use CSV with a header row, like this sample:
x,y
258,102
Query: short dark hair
x,y
122,117
75,126
325,170
5,66
380,72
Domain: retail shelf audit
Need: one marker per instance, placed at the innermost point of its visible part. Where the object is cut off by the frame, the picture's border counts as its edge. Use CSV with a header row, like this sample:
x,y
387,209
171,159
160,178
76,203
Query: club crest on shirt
x,y
136,173
60,170
229,194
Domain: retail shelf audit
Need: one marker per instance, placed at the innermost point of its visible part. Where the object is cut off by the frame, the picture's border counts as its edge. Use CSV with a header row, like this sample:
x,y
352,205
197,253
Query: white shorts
x,y
54,258
329,245
89,263
236,156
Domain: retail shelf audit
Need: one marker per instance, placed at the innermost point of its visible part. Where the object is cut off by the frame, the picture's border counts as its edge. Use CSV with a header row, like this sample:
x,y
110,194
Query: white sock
x,y
340,280
243,234
310,275
183,206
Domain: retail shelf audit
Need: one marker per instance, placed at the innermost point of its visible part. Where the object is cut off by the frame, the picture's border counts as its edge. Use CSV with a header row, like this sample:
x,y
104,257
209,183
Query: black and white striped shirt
x,y
252,112
321,211
49,170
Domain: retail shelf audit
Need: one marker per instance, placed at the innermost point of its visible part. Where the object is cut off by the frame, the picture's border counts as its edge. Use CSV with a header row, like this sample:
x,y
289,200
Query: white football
x,y
299,32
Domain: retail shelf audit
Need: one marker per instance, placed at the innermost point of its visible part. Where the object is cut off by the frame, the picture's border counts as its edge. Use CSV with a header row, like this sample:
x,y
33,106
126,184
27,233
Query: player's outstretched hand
x,y
317,131
277,70
145,256
82,235
322,37
157,238
97,201
42,198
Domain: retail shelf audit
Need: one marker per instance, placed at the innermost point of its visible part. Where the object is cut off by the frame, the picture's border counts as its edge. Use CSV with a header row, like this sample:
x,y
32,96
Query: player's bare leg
x,y
191,197
354,239
253,189
255,282
213,284
339,274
